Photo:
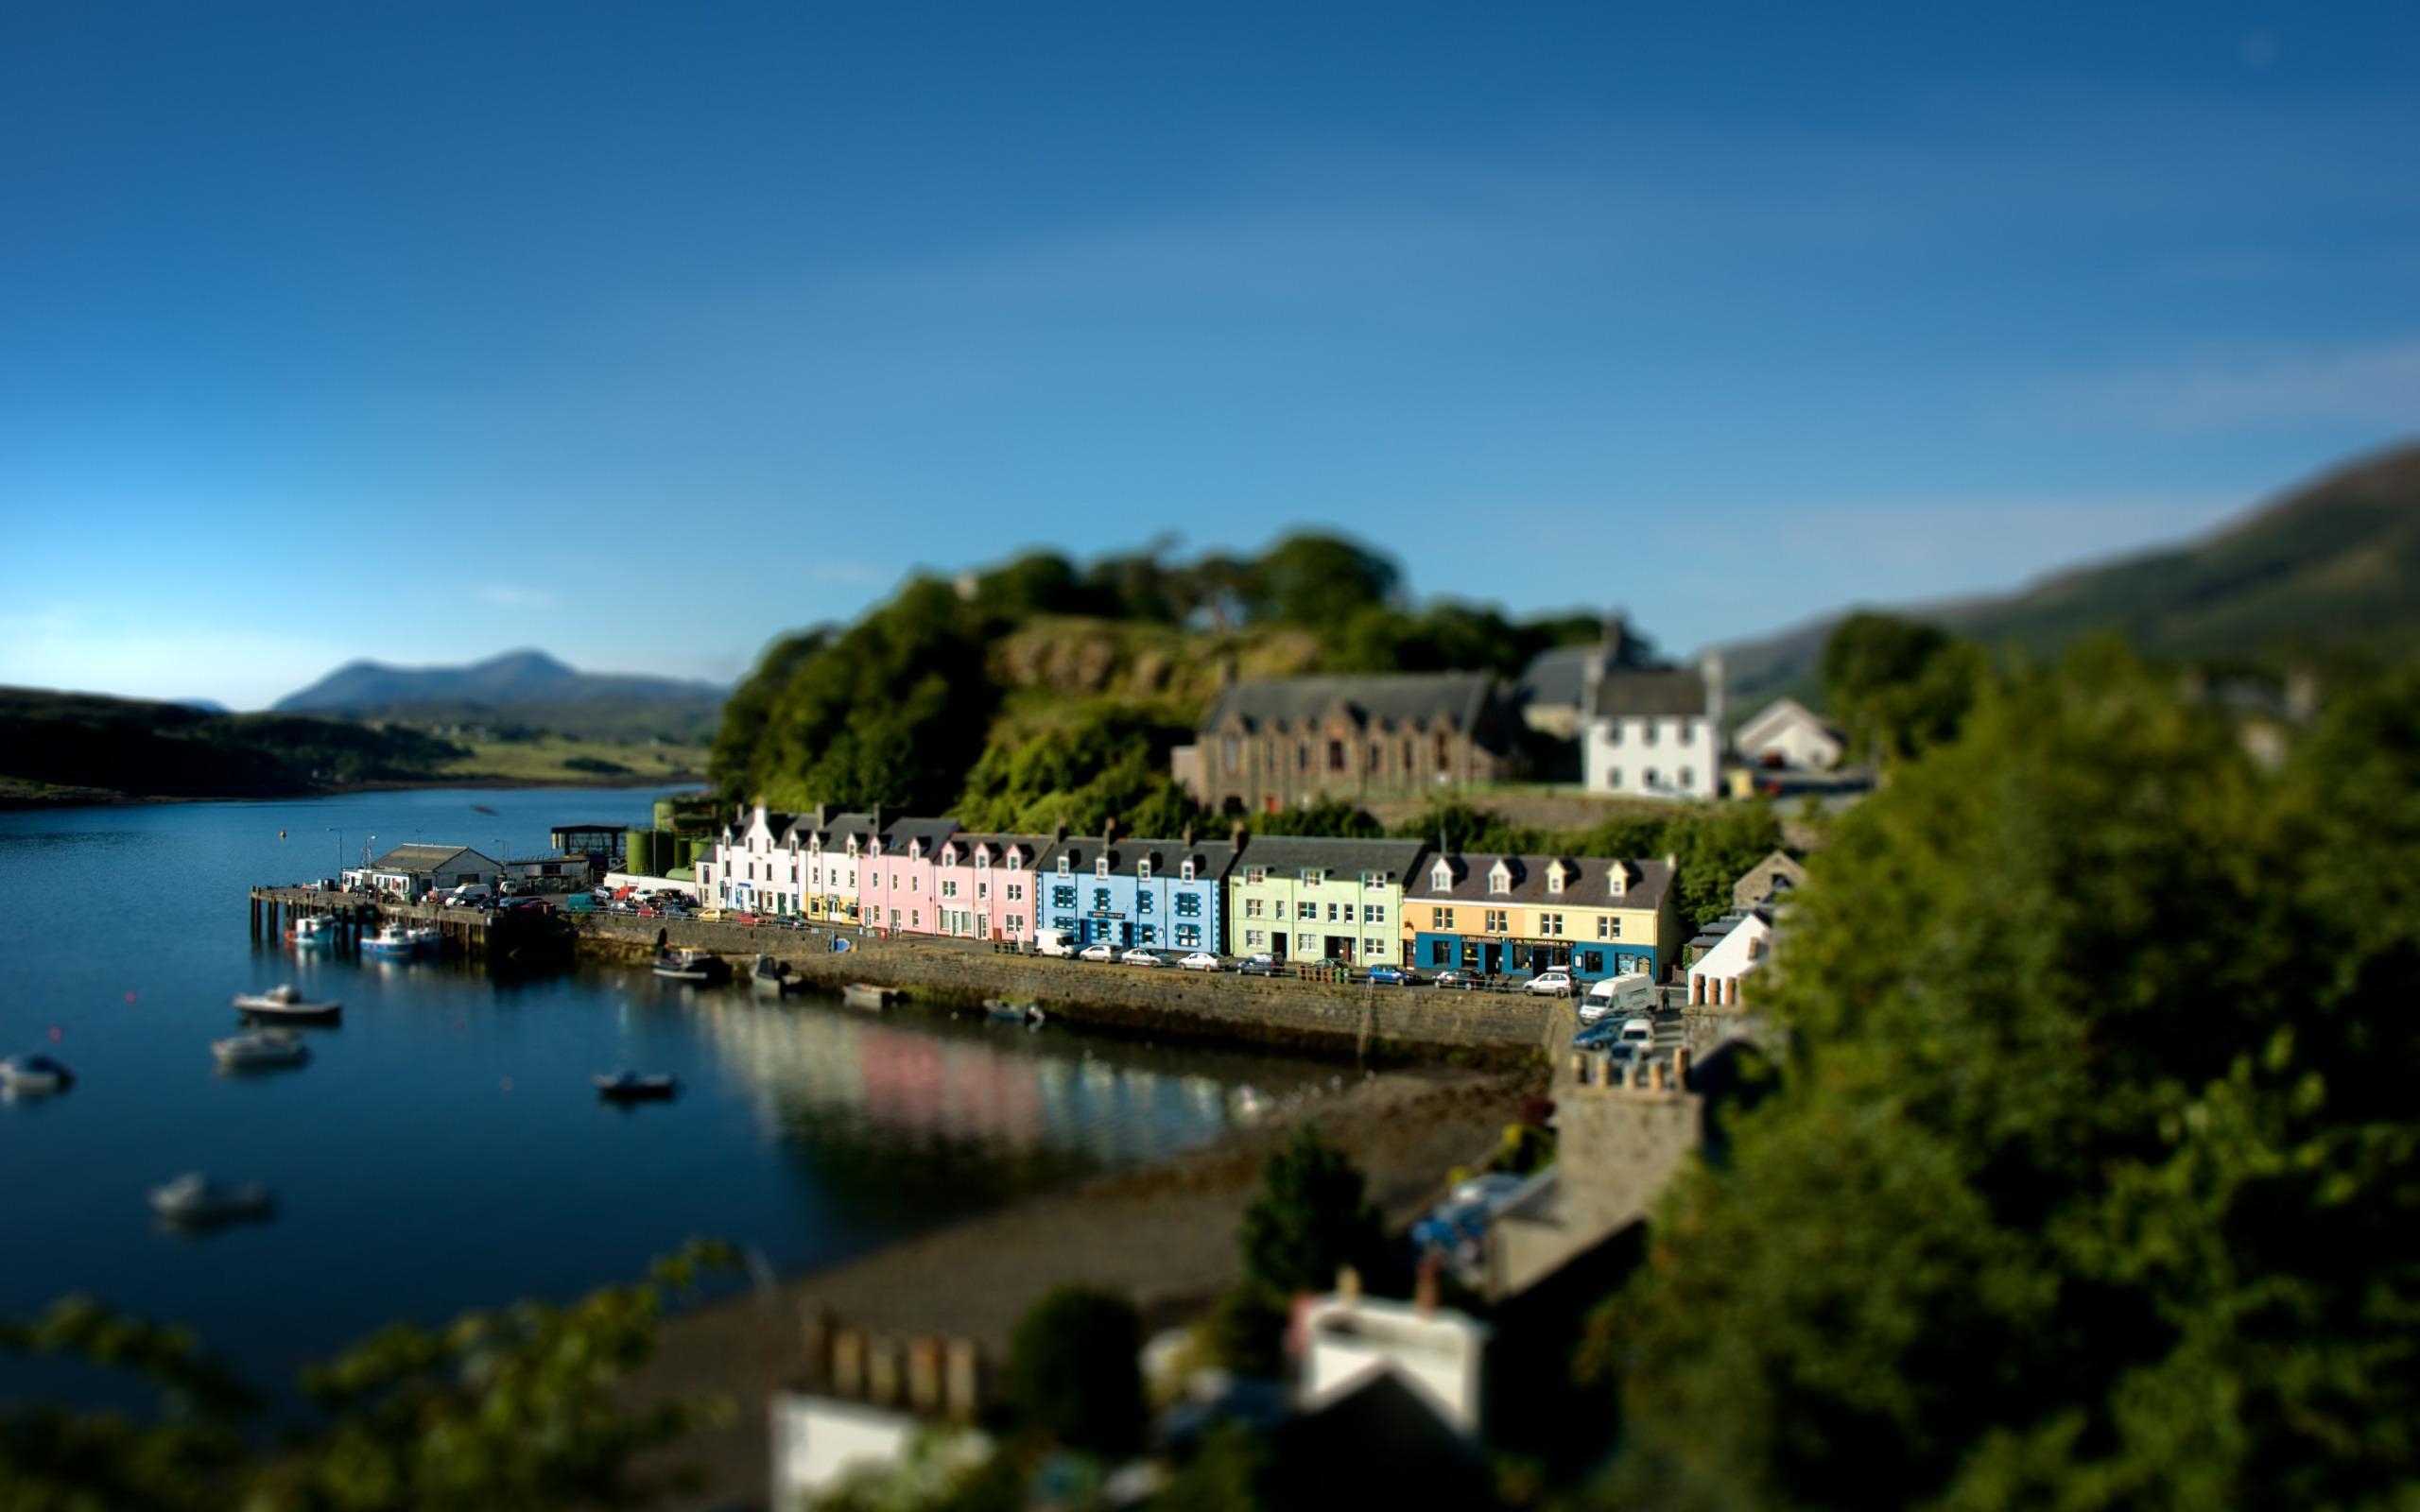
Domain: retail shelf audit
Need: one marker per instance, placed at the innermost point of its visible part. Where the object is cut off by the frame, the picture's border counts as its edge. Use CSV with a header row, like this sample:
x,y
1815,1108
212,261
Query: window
x,y
1255,939
1143,902
1375,913
1306,944
1015,923
1016,860
1188,906
915,884
1685,777
1254,876
1500,880
1608,927
1251,908
1373,947
1143,870
1231,753
1647,736
1301,755
1100,868
1555,879
1188,934
1016,892
1184,872
1496,921
1549,923
1336,755
1440,878
1613,777
1278,908
895,918
1688,728
1377,755
1066,921
1063,897
1614,732
1145,933
1100,899
1592,962
1440,953
1377,879
982,890
1063,865
1650,779
1444,749
1440,918
1348,913
1311,876
949,886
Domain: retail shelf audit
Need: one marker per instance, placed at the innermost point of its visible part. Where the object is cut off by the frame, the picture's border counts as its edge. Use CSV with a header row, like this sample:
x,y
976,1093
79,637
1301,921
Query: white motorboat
x,y
396,940
866,995
34,1076
251,1052
313,929
426,939
1015,1012
687,965
773,978
629,1087
194,1198
286,1003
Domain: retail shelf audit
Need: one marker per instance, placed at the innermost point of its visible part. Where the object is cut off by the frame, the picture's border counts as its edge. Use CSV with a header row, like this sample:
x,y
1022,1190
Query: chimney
x,y
1188,837
1580,1067
1239,834
1348,1283
815,1336
924,1375
1673,862
1424,1287
1059,831
876,825
882,1373
1655,1077
1681,1069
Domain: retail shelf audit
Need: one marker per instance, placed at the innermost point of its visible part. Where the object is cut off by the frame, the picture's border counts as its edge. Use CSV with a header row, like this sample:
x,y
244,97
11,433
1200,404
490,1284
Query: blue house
x,y
1165,894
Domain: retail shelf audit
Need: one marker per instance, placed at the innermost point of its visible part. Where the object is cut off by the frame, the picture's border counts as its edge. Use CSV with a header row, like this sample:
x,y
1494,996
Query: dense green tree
x,y
1074,1373
1039,582
2091,1183
1897,686
1318,581
1310,1216
1715,846
1097,763
515,1408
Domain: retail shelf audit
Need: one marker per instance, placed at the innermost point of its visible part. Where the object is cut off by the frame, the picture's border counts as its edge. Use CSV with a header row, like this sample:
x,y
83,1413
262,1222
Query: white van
x,y
1632,994
463,895
1054,942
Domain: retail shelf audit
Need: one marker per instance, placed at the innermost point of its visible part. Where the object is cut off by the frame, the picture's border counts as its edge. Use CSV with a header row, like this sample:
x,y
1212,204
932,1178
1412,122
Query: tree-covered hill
x,y
122,745
1042,687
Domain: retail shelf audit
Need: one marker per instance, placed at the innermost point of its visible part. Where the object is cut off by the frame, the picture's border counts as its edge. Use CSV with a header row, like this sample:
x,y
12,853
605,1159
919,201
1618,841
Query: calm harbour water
x,y
445,1149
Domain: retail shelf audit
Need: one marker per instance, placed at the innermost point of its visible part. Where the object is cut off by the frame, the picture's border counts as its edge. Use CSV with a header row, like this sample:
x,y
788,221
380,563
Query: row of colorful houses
x,y
1300,898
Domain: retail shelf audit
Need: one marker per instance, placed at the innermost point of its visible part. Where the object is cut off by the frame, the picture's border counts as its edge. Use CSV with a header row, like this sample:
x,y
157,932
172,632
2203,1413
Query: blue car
x,y
1394,976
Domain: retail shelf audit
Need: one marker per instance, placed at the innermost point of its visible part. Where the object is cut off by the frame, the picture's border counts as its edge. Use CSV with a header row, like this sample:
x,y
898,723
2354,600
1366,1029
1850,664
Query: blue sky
x,y
645,332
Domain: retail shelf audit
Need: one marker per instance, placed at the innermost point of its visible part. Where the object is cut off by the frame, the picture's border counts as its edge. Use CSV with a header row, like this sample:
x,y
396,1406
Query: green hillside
x,y
2330,568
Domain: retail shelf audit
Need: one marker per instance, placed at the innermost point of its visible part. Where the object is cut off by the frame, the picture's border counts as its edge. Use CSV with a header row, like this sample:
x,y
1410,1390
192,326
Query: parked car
x,y
1553,982
1258,966
1459,980
1629,995
750,919
1202,961
710,915
1394,975
1053,942
1139,956
1100,950
1637,1032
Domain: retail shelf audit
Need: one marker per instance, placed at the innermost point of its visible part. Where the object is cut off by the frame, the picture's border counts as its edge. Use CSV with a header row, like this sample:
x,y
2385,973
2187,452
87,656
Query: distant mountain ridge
x,y
2332,566
528,688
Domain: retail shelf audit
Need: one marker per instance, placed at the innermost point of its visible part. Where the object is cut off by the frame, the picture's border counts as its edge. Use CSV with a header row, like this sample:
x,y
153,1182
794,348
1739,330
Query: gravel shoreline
x,y
1164,1234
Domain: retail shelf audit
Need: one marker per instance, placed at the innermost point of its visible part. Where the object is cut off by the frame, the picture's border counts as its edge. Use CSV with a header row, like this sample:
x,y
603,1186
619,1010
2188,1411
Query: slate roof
x,y
1661,692
1378,698
1584,888
1781,712
418,857
1211,858
1037,847
904,832
1290,854
1557,676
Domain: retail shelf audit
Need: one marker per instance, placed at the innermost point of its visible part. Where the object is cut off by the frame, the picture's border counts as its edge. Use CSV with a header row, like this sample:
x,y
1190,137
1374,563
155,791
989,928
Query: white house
x,y
758,863
1651,732
414,871
1714,981
1786,732
1440,1353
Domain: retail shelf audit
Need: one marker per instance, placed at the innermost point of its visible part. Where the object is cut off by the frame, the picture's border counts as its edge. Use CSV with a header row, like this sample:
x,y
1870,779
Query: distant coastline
x,y
17,796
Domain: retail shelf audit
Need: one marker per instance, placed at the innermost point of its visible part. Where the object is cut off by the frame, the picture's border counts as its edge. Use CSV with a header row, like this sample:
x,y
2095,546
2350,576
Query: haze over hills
x,y
2333,566
521,688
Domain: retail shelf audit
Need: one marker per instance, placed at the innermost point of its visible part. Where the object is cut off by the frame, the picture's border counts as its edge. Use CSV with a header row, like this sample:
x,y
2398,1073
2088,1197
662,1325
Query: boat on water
x,y
686,965
194,1198
258,1052
311,930
390,940
1013,1010
629,1087
34,1076
286,1003
866,995
773,978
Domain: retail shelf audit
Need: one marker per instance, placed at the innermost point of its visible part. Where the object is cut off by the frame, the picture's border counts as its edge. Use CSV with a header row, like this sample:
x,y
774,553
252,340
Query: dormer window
x,y
1016,860
1100,868
1312,876
1617,879
982,860
1499,878
1555,879
1441,879
1143,870
1063,865
1184,873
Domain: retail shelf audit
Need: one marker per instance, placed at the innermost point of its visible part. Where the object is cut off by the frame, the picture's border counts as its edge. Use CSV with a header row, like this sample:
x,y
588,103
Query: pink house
x,y
985,884
898,882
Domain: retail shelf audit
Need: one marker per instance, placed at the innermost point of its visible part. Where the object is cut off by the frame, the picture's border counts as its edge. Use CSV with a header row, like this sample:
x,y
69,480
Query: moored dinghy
x,y
286,1003
34,1076
866,995
257,1051
629,1087
1026,1011
687,965
194,1198
771,978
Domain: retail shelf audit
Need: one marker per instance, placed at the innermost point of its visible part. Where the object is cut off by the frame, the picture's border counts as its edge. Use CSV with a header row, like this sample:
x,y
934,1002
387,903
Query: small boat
x,y
866,995
690,965
426,939
313,929
629,1087
773,978
390,940
286,1003
251,1052
194,1198
1028,1011
34,1076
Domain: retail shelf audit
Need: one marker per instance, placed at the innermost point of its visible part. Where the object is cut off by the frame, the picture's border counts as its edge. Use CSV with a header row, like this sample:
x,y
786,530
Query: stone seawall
x,y
1492,1028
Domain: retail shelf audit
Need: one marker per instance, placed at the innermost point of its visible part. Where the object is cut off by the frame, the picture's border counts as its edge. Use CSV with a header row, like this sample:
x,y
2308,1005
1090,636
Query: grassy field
x,y
562,759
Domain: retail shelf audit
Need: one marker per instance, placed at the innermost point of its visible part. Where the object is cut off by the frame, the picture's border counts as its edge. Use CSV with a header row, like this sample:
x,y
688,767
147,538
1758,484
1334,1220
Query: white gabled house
x,y
1649,731
1786,732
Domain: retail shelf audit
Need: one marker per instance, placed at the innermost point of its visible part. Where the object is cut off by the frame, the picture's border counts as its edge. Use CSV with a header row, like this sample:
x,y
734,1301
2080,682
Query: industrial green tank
x,y
664,814
634,857
685,850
